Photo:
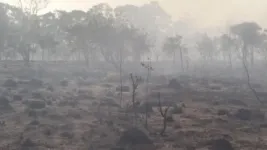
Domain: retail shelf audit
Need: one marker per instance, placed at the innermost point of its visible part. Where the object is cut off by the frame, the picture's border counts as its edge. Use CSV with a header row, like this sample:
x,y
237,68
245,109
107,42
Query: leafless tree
x,y
121,61
32,7
135,82
163,113
149,68
30,22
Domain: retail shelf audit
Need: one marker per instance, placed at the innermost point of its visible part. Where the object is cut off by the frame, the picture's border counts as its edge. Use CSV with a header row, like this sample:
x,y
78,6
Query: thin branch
x,y
248,78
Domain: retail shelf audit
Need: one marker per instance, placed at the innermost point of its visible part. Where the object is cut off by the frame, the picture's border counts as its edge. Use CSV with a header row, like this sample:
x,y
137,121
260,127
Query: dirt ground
x,y
64,108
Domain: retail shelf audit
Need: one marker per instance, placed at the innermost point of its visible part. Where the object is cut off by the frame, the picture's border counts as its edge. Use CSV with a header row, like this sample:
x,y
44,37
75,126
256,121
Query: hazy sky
x,y
204,13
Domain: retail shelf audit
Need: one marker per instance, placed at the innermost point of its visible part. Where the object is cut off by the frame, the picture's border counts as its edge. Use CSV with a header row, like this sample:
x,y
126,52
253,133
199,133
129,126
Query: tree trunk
x,y
79,55
187,63
230,60
164,125
86,61
134,105
248,78
224,57
120,77
147,90
26,57
252,57
181,59
244,54
1,56
86,57
157,58
42,54
173,57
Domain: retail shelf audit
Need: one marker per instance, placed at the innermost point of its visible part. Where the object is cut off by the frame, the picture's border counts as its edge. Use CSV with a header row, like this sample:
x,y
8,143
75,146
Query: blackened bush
x,y
222,112
4,101
123,88
243,114
221,144
64,83
17,97
67,135
36,104
36,83
177,110
134,136
173,83
11,83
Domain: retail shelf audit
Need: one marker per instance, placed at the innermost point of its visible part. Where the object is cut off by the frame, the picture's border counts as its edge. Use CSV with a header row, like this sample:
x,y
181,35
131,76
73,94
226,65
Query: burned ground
x,y
59,111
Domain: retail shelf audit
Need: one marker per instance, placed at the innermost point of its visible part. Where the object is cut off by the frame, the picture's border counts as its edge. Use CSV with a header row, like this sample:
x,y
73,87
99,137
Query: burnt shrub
x,y
134,136
243,114
4,105
67,135
11,83
17,97
146,106
4,101
173,83
123,88
34,123
64,83
36,104
246,114
220,144
222,112
31,113
177,110
36,83
169,118
50,88
28,143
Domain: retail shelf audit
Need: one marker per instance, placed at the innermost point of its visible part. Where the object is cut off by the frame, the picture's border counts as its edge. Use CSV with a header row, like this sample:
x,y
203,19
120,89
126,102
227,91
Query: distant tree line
x,y
125,33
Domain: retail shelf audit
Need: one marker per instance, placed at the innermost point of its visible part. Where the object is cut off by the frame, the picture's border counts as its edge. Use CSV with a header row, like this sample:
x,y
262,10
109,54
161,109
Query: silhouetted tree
x,y
206,48
135,83
227,46
4,28
249,33
149,68
250,36
173,44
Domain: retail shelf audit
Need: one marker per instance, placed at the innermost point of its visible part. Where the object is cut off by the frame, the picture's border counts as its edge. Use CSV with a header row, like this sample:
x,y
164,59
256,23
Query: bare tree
x,y
32,7
171,45
135,82
149,68
249,34
30,26
121,61
227,44
163,114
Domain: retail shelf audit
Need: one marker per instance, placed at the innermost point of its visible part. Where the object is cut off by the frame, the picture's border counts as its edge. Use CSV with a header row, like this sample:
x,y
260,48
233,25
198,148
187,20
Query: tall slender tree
x,y
206,48
226,46
172,45
249,33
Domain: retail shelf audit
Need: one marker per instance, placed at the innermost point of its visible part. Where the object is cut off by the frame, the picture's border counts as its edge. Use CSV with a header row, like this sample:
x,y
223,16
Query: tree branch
x,y
248,77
